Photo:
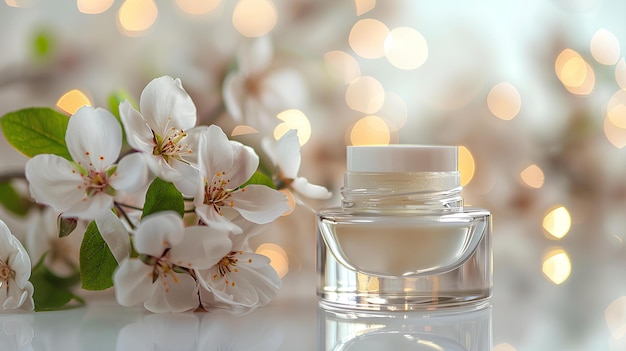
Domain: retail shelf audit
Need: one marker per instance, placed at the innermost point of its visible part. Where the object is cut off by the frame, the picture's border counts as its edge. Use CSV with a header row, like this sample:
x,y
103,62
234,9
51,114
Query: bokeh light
x,y
574,72
291,201
364,6
406,48
466,165
135,16
93,7
367,38
504,347
615,121
21,3
605,47
365,94
254,18
198,7
557,222
342,65
394,111
71,101
293,119
277,255
370,130
504,101
533,176
620,74
243,130
556,266
615,315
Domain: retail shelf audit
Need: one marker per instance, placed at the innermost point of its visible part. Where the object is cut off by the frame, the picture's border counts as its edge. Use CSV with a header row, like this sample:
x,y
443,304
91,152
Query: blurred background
x,y
533,93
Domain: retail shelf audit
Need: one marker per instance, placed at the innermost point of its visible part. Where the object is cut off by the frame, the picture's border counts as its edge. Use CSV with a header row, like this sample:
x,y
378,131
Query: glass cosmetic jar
x,y
402,239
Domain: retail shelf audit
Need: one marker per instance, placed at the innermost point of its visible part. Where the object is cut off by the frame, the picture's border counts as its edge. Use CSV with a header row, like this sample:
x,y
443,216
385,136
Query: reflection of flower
x,y
168,253
256,92
240,281
160,332
16,332
250,332
225,165
86,187
285,154
15,289
160,131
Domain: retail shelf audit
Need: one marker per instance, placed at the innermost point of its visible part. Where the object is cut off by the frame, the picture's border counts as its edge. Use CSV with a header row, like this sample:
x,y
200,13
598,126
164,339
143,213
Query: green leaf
x,y
36,130
43,45
51,291
163,196
97,263
66,225
116,99
12,200
260,178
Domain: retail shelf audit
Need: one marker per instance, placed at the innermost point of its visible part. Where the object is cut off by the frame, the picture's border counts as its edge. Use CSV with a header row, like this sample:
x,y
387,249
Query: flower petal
x,y
257,270
188,179
288,154
54,181
132,173
132,281
215,153
165,104
158,232
259,203
138,133
245,163
302,186
94,138
233,92
213,219
91,207
173,293
201,248
115,235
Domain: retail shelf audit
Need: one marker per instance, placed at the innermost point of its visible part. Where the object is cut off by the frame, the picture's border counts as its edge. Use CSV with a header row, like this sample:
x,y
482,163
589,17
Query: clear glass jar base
x,y
377,304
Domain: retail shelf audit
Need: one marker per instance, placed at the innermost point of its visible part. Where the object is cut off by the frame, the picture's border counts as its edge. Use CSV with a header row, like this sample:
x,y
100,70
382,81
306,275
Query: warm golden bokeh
x,y
243,130
615,120
365,94
71,101
254,18
370,130
342,65
504,101
406,48
364,6
291,201
278,257
467,166
198,7
605,47
533,176
367,38
135,16
574,72
556,266
557,222
93,7
293,119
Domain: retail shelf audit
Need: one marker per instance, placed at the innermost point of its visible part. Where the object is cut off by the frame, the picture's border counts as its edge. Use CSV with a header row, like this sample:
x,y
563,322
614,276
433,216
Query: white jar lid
x,y
402,158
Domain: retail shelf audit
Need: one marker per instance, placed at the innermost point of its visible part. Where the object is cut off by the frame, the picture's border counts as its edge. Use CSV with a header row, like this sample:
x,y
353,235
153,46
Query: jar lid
x,y
402,158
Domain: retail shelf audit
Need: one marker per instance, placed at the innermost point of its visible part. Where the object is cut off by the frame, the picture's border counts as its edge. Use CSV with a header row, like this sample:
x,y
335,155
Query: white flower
x,y
15,289
225,165
285,154
257,92
169,254
160,132
84,188
241,281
